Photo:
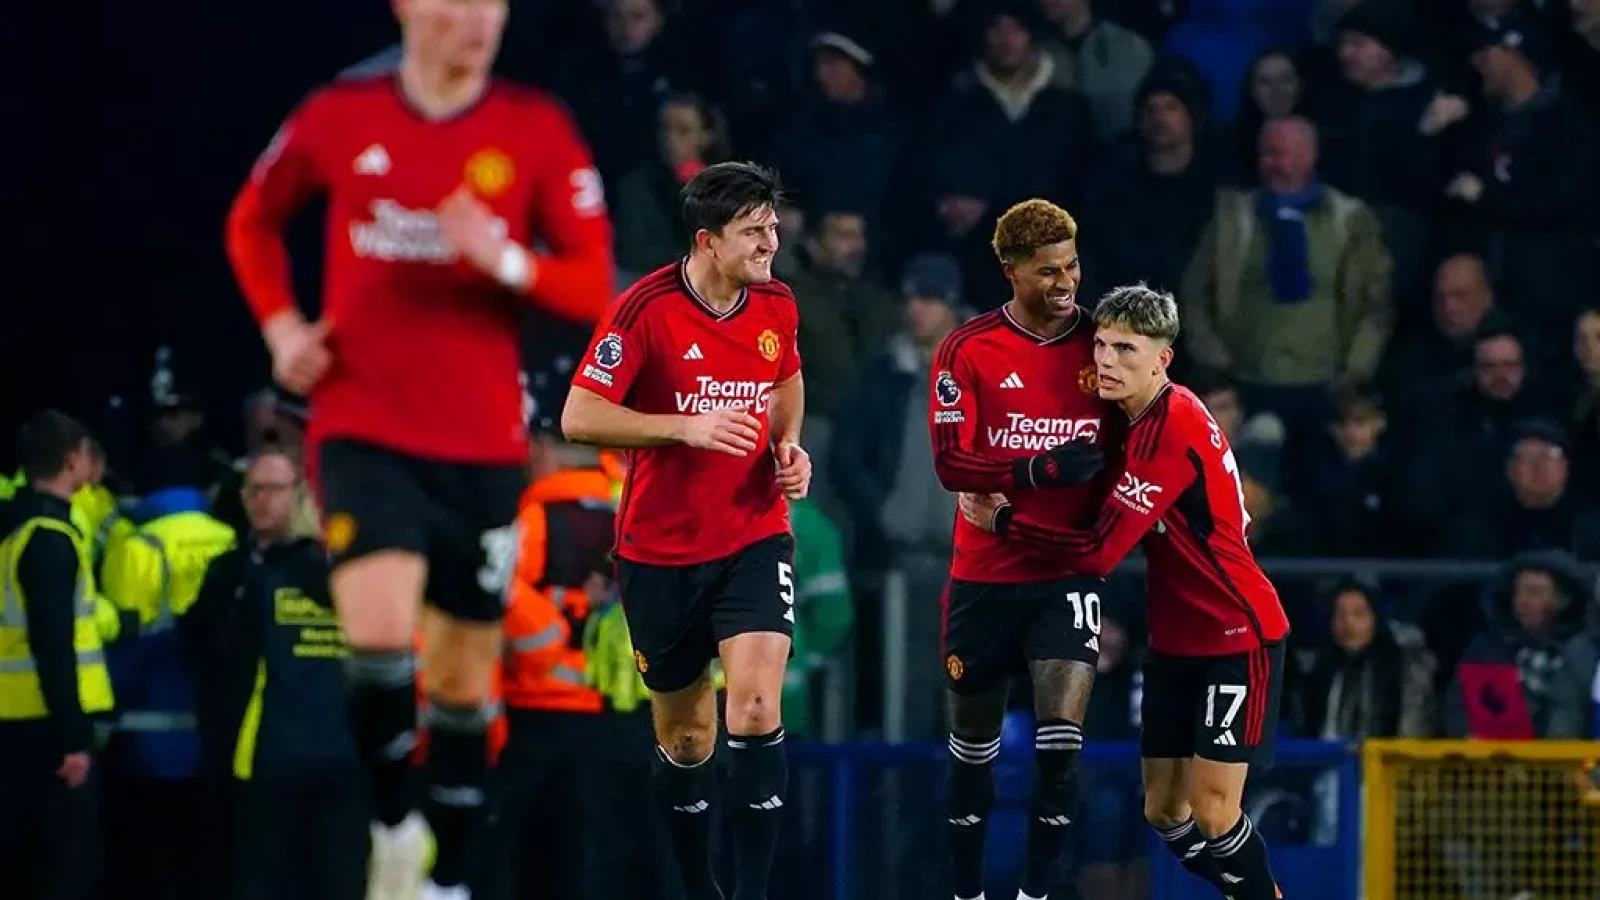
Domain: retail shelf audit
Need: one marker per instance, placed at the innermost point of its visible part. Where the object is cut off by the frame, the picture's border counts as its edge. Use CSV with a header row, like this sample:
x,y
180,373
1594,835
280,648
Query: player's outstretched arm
x,y
589,418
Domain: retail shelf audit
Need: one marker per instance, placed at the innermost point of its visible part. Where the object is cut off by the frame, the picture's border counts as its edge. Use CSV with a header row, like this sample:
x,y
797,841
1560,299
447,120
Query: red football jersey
x,y
661,350
1001,393
425,348
1206,596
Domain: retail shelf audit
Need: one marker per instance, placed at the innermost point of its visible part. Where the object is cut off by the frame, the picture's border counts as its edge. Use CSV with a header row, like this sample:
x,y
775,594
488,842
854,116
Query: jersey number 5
x,y
786,590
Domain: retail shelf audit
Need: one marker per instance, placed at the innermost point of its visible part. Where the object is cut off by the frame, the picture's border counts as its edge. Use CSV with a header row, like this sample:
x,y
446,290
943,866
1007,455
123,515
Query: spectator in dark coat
x,y
616,84
1465,438
1435,360
880,442
843,143
1532,508
1004,133
1382,123
1273,88
1585,408
1354,483
1149,204
1525,180
1538,615
646,206
1375,679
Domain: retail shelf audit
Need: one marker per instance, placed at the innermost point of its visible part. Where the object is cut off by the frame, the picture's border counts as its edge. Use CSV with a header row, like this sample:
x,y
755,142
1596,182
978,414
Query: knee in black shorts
x,y
971,776
1057,746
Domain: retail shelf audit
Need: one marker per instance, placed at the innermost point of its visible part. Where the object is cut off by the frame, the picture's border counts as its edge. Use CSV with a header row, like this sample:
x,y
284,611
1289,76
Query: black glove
x,y
1070,462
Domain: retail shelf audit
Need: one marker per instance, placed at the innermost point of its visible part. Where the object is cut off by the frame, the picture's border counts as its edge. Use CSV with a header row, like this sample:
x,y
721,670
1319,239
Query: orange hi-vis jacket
x,y
567,528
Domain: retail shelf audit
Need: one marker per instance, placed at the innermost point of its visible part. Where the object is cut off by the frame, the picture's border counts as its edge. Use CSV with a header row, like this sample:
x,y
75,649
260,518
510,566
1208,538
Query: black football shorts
x,y
460,517
992,631
1221,708
678,615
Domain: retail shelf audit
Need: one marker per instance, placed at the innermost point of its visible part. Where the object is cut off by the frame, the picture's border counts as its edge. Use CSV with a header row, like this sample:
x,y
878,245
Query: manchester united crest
x,y
952,664
639,662
769,345
1088,380
339,533
490,172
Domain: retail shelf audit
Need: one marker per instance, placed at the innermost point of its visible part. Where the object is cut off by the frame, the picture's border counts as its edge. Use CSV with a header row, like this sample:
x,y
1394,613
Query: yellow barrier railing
x,y
1481,820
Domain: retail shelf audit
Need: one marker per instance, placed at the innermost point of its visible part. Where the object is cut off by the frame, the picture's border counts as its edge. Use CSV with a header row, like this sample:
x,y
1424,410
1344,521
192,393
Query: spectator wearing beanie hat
x,y
1383,124
1146,210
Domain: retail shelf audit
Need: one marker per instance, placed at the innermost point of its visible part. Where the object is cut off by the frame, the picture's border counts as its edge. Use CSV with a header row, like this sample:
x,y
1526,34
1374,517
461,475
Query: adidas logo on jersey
x,y
1012,381
1093,643
966,821
699,806
1225,739
1055,820
773,802
1231,879
373,161
693,352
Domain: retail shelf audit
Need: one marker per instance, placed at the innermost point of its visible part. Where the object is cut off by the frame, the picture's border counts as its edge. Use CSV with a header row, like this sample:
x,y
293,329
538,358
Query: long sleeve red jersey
x,y
1205,594
425,348
1000,394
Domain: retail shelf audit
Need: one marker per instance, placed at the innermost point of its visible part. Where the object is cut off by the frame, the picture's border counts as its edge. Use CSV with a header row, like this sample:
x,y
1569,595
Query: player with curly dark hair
x,y
1014,410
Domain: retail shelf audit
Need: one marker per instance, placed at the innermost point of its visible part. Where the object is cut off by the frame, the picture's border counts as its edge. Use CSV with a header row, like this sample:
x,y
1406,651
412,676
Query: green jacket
x,y
1227,322
824,611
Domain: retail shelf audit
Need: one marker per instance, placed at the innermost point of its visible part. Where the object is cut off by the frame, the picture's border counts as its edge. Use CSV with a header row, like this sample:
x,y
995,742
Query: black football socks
x,y
383,716
1242,863
969,801
1186,843
1056,746
458,766
685,792
758,782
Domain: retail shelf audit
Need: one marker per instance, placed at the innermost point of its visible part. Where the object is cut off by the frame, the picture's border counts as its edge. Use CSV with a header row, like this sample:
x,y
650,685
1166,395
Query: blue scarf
x,y
1288,255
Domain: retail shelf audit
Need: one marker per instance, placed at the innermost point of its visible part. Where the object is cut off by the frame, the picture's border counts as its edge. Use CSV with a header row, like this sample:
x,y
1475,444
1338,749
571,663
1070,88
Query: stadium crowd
x,y
1379,221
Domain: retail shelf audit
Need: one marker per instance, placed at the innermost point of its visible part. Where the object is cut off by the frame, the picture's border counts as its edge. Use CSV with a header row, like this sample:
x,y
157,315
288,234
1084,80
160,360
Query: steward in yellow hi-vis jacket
x,y
53,676
270,698
575,816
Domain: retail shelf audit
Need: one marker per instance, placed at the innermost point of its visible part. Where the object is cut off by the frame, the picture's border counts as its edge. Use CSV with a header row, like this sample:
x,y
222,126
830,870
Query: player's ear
x,y
1166,356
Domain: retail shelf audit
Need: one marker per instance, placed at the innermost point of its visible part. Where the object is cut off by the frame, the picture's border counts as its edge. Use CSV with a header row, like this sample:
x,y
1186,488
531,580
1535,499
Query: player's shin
x,y
685,790
458,767
1057,745
383,716
758,780
1185,842
1242,862
969,801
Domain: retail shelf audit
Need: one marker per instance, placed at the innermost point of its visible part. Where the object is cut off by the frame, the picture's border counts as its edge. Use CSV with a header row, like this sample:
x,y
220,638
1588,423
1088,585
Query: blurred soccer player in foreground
x,y
695,369
438,180
1214,677
1014,409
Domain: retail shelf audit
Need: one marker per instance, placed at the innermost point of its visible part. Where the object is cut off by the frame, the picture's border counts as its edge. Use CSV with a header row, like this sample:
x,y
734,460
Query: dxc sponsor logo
x,y
1136,493
710,394
1021,432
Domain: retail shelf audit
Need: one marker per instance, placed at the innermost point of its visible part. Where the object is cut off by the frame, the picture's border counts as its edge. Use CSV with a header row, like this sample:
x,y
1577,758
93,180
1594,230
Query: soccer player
x,y
1213,680
438,179
1013,408
695,370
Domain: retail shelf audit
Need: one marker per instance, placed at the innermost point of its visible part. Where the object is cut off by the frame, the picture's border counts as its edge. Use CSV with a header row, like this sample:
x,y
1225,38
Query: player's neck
x,y
1043,325
439,91
1136,405
717,290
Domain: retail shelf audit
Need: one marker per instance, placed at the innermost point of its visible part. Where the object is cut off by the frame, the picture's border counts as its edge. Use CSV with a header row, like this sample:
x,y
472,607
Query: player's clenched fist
x,y
731,431
299,349
794,469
